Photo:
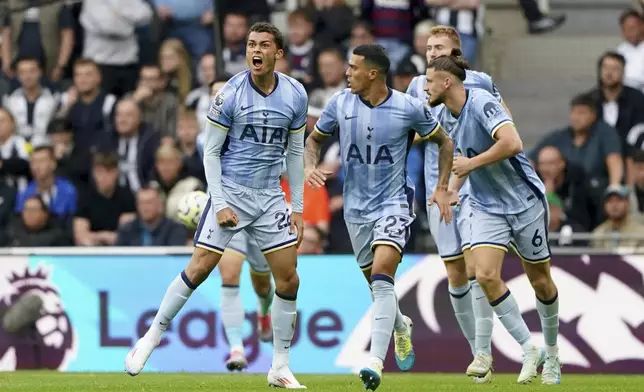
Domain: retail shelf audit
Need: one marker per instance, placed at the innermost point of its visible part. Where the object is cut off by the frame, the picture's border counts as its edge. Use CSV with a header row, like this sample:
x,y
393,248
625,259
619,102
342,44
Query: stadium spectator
x,y
302,50
619,106
174,62
86,106
312,241
151,227
135,143
199,98
103,205
36,226
14,153
172,180
43,33
73,162
159,108
234,52
405,72
589,143
637,196
332,67
189,21
187,132
362,33
620,221
569,183
282,65
110,39
332,20
464,16
394,23
8,197
561,224
58,193
632,25
32,105
257,10
540,21
418,58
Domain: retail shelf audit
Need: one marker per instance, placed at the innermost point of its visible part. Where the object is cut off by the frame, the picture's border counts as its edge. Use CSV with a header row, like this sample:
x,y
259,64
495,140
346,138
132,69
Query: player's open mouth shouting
x,y
257,63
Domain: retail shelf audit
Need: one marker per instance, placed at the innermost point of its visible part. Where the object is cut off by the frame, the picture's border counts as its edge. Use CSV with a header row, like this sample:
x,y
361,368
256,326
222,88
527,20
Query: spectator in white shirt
x,y
632,48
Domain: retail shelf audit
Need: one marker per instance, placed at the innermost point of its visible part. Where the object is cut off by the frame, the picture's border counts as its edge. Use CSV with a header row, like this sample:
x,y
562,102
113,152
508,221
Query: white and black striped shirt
x,y
32,119
465,21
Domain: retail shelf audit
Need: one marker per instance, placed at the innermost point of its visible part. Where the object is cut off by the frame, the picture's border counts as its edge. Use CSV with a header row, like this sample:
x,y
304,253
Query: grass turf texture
x,y
81,382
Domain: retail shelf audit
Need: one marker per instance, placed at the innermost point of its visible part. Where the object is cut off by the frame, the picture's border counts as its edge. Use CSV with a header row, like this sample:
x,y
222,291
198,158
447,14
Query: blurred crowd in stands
x,y
102,102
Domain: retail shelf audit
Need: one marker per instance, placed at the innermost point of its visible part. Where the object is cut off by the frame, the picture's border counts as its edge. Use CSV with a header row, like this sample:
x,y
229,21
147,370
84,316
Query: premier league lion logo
x,y
52,343
601,317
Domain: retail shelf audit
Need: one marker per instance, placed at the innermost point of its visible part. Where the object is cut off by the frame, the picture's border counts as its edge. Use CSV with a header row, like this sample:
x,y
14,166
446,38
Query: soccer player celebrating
x,y
374,124
256,119
242,247
508,204
473,312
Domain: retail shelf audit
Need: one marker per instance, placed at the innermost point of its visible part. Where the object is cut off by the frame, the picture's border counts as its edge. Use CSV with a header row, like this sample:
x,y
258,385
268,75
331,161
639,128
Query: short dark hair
x,y
585,99
300,13
106,159
40,201
613,55
24,59
454,64
265,27
44,147
627,14
375,55
59,125
333,50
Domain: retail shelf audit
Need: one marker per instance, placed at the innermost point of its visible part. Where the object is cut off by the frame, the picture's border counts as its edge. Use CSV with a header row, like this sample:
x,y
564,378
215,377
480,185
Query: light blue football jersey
x,y
258,127
374,143
510,186
473,79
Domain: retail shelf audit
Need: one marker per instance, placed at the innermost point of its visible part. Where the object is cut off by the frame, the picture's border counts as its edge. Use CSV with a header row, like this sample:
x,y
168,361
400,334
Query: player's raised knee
x,y
201,265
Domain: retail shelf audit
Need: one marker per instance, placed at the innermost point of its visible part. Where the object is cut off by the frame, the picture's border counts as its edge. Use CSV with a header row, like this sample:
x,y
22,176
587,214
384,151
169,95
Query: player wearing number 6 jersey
x,y
508,204
257,118
374,124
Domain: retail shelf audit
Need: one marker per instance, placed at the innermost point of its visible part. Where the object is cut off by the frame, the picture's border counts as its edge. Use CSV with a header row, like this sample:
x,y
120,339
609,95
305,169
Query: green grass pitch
x,y
108,382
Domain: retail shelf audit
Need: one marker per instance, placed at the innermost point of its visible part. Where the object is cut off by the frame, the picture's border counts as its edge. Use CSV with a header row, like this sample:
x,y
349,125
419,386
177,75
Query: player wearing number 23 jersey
x,y
374,143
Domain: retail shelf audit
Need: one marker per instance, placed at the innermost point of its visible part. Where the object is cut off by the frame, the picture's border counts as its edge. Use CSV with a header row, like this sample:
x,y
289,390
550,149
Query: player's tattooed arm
x,y
445,156
314,176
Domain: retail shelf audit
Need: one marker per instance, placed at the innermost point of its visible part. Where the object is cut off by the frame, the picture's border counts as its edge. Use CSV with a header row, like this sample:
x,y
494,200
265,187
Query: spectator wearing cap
x,y
405,72
73,162
58,193
619,221
637,195
619,106
36,226
589,143
632,25
560,223
103,205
